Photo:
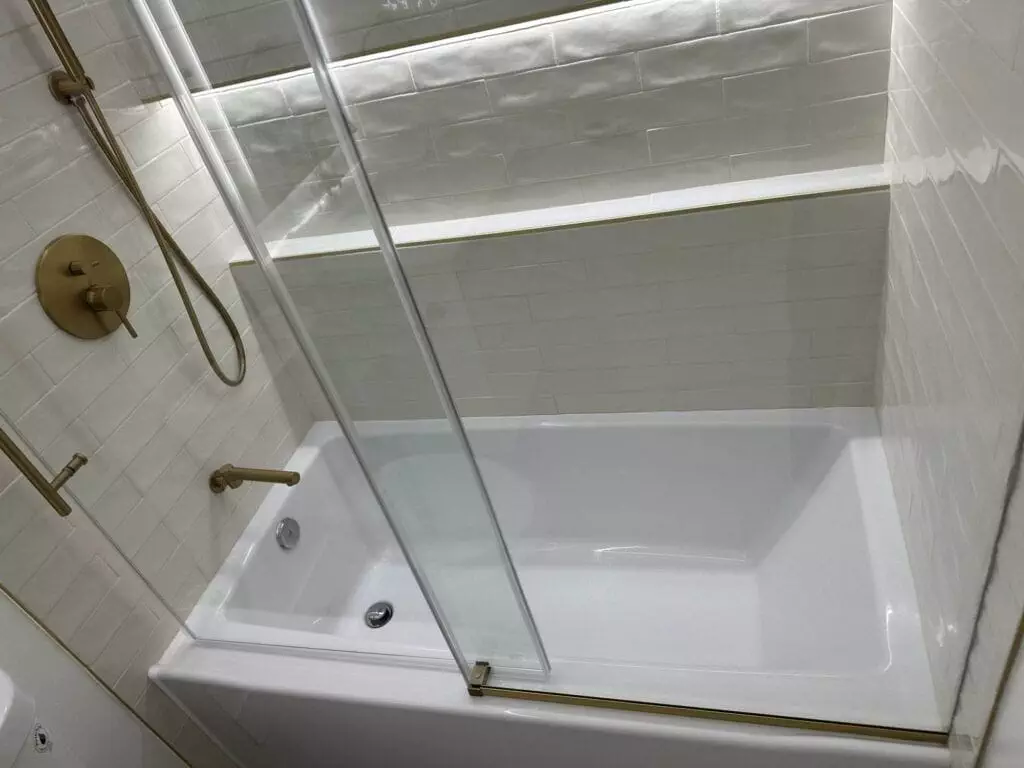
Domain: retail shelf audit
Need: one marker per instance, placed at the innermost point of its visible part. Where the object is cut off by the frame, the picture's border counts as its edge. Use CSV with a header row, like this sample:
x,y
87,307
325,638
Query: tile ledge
x,y
676,201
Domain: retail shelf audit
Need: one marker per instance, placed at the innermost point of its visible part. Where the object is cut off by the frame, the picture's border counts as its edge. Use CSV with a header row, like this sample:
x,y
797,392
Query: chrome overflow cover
x,y
288,533
379,614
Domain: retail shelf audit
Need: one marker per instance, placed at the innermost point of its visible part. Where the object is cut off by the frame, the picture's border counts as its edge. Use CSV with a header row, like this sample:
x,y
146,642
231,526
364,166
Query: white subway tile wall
x,y
628,99
148,412
952,370
246,39
762,306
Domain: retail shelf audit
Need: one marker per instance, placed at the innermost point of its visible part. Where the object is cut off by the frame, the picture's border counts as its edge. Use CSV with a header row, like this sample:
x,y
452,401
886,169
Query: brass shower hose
x,y
76,89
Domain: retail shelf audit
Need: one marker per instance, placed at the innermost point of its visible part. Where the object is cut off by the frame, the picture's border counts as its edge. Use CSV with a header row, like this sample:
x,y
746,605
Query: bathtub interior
x,y
637,482
736,560
716,518
263,585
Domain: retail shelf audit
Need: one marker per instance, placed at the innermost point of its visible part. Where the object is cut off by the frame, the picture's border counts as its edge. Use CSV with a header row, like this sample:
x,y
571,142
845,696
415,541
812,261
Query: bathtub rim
x,y
426,684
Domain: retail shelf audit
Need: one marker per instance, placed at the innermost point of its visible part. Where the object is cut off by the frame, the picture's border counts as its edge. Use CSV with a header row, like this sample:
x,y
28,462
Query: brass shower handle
x,y
107,298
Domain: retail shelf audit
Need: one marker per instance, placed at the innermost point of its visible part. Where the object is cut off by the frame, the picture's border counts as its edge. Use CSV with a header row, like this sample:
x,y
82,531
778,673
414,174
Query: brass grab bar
x,y
47,488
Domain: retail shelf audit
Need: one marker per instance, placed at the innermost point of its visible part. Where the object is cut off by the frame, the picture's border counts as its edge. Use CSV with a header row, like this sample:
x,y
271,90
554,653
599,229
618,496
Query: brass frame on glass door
x,y
478,686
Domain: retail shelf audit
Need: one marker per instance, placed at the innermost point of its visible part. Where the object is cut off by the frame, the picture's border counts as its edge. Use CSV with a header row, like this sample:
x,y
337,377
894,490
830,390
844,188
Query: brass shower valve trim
x,y
83,287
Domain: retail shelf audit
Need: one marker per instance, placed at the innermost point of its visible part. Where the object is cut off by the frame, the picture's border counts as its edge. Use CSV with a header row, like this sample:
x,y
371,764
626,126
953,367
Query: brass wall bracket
x,y
47,488
68,471
64,88
83,287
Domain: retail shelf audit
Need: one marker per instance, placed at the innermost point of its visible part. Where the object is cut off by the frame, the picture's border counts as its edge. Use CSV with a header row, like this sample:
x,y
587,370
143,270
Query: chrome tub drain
x,y
288,533
379,614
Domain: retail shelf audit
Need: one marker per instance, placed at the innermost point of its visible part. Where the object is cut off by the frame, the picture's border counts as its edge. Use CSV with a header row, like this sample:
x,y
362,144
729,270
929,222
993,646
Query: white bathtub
x,y
744,560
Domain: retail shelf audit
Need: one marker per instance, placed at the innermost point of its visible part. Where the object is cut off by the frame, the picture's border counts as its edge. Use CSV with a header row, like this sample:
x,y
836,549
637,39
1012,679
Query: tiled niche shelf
x,y
837,181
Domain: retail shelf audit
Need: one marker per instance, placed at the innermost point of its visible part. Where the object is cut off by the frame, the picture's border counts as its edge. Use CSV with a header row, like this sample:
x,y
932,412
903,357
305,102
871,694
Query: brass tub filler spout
x,y
230,476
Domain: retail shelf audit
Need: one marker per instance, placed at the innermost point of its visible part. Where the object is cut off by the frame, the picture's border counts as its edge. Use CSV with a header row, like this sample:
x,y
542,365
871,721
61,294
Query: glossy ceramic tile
x,y
952,367
528,97
710,306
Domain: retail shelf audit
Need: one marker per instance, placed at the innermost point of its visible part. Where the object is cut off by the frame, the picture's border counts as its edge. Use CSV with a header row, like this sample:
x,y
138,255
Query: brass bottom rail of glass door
x,y
478,686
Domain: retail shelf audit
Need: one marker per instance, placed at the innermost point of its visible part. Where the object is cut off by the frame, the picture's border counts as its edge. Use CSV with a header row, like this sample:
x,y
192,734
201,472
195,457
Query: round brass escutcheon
x,y
83,286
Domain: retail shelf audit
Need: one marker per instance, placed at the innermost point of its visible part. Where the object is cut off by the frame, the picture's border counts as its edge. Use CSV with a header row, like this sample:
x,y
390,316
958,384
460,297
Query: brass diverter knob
x,y
83,287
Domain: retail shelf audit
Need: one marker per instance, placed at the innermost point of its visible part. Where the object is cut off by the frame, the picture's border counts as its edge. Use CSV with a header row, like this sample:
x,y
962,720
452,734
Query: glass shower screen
x,y
425,481
247,39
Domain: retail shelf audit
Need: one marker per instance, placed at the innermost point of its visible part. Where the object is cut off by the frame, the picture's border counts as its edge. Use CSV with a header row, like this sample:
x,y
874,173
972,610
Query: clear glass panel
x,y
247,39
649,401
654,283
365,357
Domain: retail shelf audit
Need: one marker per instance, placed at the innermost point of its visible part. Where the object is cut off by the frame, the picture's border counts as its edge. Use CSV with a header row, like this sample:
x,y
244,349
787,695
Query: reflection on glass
x,y
355,320
551,114
247,39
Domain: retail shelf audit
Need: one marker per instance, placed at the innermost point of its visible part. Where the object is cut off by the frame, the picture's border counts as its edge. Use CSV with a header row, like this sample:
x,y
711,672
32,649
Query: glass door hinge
x,y
478,678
